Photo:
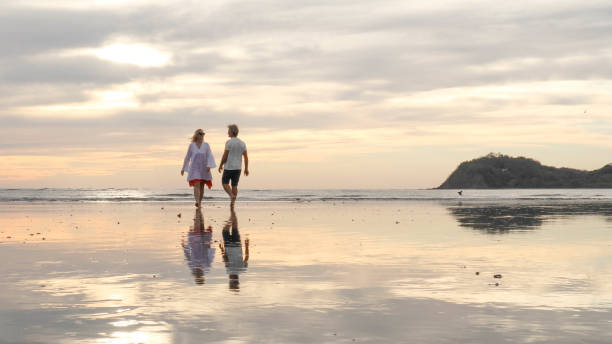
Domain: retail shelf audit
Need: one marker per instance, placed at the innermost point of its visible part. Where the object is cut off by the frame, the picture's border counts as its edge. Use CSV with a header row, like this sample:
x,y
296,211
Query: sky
x,y
327,94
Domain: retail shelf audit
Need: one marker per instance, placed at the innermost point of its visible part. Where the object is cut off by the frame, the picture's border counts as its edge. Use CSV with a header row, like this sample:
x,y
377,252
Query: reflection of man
x,y
231,249
198,250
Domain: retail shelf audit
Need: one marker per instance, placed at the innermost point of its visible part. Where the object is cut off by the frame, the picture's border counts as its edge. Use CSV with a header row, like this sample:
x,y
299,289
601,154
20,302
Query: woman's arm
x,y
186,161
211,159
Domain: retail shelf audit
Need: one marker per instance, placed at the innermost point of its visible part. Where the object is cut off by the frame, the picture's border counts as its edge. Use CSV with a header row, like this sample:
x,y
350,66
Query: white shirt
x,y
235,147
198,161
235,263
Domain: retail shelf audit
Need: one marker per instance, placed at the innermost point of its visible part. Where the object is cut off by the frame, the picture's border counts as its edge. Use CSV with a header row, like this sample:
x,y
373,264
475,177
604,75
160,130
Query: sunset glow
x,y
355,89
136,54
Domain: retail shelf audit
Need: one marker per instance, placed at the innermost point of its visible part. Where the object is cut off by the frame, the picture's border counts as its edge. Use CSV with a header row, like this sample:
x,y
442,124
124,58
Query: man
x,y
235,149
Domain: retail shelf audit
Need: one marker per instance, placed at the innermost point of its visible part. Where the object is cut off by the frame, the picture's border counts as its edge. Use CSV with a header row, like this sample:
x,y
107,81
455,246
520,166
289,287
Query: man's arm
x,y
223,254
246,163
246,250
223,160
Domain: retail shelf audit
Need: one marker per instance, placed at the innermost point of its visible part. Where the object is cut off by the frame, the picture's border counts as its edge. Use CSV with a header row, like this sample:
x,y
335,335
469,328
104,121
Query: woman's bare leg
x,y
201,192
196,193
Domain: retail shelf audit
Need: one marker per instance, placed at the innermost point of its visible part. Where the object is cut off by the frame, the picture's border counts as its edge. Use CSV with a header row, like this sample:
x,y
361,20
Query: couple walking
x,y
199,160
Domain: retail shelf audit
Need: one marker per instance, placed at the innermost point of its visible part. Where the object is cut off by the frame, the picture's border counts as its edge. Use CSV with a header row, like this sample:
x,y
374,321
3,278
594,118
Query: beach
x,y
422,271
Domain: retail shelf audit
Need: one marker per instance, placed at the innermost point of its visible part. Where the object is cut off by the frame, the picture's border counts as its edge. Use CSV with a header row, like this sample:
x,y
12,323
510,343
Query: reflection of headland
x,y
501,218
197,248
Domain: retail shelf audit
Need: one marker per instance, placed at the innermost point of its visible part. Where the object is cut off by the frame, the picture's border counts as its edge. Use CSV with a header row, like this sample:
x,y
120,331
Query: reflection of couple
x,y
198,250
200,254
199,160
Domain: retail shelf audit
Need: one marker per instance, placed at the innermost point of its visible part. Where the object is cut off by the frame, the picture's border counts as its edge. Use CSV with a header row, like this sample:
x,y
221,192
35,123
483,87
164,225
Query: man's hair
x,y
233,129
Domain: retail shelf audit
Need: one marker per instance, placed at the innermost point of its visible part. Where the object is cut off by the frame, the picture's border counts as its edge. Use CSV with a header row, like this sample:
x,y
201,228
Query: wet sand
x,y
316,272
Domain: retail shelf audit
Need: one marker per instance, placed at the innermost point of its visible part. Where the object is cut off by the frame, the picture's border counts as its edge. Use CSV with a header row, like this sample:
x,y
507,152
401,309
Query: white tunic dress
x,y
198,251
198,161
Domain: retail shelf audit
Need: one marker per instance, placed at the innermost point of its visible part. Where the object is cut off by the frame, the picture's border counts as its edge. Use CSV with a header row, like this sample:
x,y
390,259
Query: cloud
x,y
377,77
26,31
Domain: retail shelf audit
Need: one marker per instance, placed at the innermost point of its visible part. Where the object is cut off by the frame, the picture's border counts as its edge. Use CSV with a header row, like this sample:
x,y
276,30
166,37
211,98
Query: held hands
x,y
220,168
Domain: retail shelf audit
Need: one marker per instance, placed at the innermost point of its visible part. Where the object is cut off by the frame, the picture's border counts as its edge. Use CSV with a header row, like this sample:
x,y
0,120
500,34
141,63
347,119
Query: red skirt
x,y
207,182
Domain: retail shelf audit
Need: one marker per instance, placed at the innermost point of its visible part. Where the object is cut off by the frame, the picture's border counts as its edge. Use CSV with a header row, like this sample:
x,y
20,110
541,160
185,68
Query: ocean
x,y
178,195
306,266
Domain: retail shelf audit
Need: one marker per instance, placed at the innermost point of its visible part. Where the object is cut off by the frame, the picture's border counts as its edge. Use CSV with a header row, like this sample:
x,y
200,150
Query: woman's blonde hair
x,y
196,133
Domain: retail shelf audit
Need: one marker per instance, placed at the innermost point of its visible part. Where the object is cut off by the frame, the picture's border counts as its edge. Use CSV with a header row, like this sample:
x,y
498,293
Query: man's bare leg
x,y
235,195
229,191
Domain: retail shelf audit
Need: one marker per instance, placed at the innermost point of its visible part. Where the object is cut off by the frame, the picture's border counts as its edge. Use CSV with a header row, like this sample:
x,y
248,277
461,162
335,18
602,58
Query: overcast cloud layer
x,y
367,94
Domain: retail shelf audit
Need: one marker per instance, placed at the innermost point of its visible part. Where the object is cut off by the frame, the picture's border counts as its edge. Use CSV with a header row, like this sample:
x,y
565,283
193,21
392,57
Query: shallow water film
x,y
306,272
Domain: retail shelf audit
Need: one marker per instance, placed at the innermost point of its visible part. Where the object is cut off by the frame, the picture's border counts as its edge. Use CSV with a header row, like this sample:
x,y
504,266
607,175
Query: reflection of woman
x,y
232,251
197,249
198,162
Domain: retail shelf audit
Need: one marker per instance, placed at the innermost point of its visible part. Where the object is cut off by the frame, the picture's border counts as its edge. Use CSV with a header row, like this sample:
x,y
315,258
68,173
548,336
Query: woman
x,y
198,162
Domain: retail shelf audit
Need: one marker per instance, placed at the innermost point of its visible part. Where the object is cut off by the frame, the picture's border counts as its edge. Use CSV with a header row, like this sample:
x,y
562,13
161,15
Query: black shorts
x,y
233,175
232,237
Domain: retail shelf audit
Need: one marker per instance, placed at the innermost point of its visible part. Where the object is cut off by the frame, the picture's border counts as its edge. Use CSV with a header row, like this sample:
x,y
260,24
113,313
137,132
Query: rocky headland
x,y
498,171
